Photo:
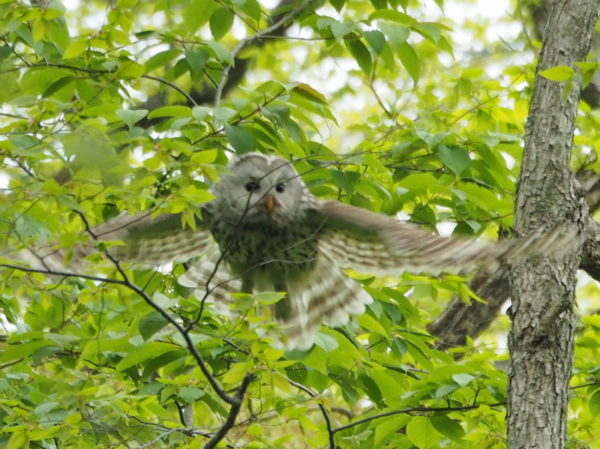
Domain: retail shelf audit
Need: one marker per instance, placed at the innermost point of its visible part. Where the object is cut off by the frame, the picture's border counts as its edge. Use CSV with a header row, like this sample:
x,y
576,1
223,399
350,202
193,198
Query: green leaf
x,y
221,21
76,48
463,379
558,73
58,85
421,432
392,15
370,323
345,180
44,434
337,4
360,53
430,31
224,114
147,351
251,8
268,298
423,214
131,116
375,39
200,112
371,388
130,69
410,60
326,342
455,158
395,34
18,440
448,427
191,394
45,407
310,93
197,13
171,111
240,139
594,403
340,29
387,429
22,350
221,53
151,324
160,59
197,58
237,372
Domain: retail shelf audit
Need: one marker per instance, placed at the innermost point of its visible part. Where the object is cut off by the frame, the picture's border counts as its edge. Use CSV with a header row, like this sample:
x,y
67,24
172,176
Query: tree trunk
x,y
543,288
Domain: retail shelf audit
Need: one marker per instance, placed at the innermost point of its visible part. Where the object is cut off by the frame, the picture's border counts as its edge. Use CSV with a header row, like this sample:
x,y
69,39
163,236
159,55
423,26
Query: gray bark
x,y
543,288
539,13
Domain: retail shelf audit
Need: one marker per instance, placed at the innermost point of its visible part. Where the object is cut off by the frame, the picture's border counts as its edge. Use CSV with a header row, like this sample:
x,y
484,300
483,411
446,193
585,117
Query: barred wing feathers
x,y
152,240
210,277
374,243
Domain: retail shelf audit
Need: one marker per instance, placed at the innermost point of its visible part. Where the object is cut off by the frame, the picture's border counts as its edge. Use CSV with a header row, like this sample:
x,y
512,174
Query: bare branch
x,y
287,18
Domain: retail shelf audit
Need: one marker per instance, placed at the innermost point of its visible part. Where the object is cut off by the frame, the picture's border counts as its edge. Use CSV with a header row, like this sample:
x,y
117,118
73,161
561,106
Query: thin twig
x,y
413,410
98,72
247,41
312,394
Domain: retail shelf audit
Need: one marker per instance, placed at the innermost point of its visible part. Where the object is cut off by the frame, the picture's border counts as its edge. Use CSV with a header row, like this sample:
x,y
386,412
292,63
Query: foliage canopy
x,y
135,105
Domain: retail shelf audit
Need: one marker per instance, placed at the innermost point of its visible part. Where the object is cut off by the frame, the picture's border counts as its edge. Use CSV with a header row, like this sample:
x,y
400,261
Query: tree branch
x,y
312,394
277,26
414,410
207,94
233,412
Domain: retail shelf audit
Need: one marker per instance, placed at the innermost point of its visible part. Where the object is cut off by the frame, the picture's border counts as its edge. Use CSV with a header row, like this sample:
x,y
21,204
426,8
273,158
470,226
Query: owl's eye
x,y
280,187
252,186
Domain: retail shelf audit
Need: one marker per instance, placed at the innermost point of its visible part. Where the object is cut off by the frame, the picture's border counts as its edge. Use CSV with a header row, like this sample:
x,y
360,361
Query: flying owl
x,y
265,231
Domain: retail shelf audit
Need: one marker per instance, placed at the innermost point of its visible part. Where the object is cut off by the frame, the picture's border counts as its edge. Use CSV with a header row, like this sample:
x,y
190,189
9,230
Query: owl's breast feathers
x,y
267,254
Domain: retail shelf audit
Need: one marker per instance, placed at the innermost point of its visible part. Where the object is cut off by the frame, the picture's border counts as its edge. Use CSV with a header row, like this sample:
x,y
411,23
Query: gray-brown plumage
x,y
266,231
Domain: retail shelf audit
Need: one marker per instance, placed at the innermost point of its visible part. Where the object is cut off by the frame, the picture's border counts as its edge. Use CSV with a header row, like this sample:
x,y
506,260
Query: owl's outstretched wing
x,y
154,240
211,278
145,240
374,243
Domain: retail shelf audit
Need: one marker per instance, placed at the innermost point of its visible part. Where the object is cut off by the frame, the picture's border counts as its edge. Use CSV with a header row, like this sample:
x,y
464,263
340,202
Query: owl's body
x,y
266,231
266,254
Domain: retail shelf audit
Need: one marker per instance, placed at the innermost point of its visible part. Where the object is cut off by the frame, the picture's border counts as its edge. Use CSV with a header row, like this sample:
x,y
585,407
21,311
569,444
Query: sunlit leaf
x,y
410,60
558,73
221,21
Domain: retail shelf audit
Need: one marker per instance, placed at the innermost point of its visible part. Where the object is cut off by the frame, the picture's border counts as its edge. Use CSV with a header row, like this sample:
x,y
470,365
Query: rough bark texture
x,y
539,13
543,289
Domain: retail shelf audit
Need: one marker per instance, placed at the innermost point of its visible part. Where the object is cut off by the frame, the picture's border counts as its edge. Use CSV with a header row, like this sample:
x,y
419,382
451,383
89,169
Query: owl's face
x,y
261,189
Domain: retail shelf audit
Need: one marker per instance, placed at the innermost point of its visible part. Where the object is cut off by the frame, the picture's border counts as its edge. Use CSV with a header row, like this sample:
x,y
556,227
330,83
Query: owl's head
x,y
261,188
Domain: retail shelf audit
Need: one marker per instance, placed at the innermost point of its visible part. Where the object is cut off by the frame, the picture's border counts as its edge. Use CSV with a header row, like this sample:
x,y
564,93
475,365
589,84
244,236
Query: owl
x,y
265,231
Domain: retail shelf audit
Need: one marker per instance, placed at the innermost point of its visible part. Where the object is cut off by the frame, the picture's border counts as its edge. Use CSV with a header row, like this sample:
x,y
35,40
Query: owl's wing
x,y
374,243
154,240
210,277
146,240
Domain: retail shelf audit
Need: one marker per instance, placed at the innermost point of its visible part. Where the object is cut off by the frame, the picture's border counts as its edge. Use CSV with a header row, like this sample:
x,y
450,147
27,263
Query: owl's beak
x,y
270,203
